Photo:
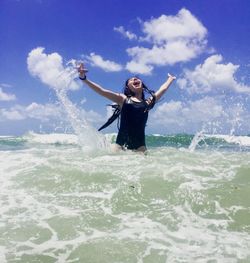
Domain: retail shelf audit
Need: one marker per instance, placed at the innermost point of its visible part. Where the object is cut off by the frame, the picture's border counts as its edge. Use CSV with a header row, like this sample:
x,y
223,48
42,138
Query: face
x,y
135,85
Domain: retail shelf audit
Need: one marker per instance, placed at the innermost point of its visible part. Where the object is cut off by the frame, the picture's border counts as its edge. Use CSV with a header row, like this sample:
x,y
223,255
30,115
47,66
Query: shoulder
x,y
123,98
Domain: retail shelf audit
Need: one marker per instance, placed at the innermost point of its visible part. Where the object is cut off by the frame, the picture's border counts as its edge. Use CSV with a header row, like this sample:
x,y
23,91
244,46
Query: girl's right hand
x,y
171,77
82,71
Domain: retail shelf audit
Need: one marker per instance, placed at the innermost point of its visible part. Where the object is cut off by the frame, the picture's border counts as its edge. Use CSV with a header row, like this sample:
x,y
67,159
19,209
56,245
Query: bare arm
x,y
164,87
116,97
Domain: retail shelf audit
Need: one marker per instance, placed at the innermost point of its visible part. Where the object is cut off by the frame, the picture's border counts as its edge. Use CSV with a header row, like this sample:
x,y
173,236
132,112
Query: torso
x,y
132,126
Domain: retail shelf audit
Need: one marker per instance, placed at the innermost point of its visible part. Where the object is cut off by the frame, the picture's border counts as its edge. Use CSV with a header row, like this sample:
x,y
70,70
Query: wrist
x,y
83,77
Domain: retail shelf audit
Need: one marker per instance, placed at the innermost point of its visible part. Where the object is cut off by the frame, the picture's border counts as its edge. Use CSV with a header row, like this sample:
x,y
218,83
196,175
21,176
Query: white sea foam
x,y
231,139
171,205
53,138
2,254
241,140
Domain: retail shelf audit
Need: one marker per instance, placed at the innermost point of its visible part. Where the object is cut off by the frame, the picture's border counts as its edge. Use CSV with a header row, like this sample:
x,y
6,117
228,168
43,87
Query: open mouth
x,y
136,83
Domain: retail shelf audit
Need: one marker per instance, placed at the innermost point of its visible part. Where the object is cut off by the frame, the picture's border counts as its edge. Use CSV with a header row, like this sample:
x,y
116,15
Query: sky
x,y
204,43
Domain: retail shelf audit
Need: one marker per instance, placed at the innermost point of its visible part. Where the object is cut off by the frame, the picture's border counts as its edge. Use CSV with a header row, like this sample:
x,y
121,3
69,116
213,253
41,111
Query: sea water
x,y
186,200
69,198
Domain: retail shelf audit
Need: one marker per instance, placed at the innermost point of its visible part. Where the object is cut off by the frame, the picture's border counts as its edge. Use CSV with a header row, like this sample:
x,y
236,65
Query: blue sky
x,y
205,44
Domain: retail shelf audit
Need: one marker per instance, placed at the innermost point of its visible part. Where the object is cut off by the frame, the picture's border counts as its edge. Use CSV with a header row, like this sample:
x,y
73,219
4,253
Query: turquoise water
x,y
187,200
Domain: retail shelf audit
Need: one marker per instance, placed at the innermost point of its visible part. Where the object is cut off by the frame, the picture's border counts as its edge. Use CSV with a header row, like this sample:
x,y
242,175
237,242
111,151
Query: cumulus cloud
x,y
42,112
45,113
50,70
210,114
6,96
171,28
11,114
125,33
187,116
139,68
107,65
174,39
92,117
212,75
169,40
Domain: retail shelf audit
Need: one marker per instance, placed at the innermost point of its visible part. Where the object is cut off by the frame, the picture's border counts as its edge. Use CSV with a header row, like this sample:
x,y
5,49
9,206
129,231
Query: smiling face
x,y
135,85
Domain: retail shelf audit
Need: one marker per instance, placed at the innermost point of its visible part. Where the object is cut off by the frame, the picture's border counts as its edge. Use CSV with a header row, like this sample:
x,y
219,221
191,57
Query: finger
x,y
171,76
83,68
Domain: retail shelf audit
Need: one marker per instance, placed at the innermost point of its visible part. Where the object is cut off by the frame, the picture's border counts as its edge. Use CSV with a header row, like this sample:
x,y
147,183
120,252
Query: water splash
x,y
50,70
87,135
199,136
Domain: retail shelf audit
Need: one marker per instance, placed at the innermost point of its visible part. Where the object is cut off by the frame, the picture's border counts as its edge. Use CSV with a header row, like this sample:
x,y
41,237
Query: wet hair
x,y
129,93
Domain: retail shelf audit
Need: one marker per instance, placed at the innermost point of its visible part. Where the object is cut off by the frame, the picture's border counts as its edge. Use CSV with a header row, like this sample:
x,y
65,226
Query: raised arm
x,y
115,97
163,88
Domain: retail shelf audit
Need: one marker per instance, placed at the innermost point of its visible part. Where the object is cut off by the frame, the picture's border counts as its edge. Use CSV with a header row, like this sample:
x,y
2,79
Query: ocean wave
x,y
191,142
52,138
60,205
240,140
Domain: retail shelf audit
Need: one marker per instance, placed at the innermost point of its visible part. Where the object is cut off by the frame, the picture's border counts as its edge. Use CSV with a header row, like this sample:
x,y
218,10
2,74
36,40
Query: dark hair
x,y
129,93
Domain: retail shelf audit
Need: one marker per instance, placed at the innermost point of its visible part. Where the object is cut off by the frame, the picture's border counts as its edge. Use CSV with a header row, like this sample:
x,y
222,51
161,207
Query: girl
x,y
133,108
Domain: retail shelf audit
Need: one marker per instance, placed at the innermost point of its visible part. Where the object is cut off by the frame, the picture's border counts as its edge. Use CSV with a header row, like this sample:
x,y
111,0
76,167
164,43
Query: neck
x,y
138,95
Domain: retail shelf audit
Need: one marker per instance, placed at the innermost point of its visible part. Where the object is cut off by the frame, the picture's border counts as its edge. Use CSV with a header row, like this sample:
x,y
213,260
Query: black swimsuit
x,y
134,117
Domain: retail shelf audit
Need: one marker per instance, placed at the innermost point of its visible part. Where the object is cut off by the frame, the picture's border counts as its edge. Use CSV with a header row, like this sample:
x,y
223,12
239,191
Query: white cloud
x,y
11,114
203,110
6,96
189,116
174,39
92,117
139,68
50,70
171,53
126,34
46,113
212,75
171,28
106,65
41,112
210,114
